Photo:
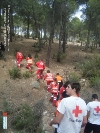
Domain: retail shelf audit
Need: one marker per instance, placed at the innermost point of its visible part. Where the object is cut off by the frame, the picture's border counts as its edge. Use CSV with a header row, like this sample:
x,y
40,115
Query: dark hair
x,y
76,86
57,74
29,56
64,95
94,96
48,71
66,84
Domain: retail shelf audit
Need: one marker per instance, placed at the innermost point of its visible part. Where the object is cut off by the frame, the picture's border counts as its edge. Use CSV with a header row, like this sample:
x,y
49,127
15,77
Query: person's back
x,y
75,109
72,111
94,116
93,111
40,64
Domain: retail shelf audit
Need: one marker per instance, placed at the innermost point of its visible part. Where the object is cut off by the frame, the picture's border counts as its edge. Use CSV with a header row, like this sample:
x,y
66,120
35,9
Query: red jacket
x,y
49,77
57,104
19,55
40,65
54,87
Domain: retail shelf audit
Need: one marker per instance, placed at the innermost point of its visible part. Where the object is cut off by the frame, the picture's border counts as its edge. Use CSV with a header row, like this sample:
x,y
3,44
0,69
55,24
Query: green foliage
x,y
27,119
95,82
1,122
73,77
15,73
91,70
7,107
59,56
26,74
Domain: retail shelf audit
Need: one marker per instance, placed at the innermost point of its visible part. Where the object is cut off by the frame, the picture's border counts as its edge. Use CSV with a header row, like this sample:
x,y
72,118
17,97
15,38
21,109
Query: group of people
x,y
40,64
29,59
54,84
73,113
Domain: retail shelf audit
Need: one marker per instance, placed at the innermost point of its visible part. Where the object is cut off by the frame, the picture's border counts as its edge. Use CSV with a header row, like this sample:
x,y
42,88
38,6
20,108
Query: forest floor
x,y
19,91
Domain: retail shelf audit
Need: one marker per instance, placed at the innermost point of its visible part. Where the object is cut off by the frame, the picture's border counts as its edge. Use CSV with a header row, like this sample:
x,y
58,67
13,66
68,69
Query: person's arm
x,y
84,121
88,114
57,119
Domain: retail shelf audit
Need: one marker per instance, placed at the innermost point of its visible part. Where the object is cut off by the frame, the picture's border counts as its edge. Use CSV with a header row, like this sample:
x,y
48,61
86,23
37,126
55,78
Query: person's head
x,y
48,71
29,56
73,88
57,73
55,79
94,97
66,84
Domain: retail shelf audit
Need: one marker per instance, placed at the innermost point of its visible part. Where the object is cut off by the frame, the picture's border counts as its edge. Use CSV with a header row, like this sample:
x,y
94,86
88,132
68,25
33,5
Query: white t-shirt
x,y
74,109
94,108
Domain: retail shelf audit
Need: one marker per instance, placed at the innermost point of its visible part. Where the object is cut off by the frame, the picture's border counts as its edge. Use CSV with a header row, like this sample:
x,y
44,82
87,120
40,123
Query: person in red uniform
x,y
54,91
62,89
29,60
49,78
41,66
19,58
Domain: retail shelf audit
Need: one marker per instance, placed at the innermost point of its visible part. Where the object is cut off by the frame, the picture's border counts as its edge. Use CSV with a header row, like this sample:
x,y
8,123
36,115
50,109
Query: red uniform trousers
x,y
18,62
28,66
39,73
49,86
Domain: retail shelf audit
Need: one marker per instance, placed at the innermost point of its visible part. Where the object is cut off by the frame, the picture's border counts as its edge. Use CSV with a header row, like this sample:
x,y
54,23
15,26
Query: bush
x,y
73,77
1,122
15,73
7,107
95,82
27,120
59,56
26,74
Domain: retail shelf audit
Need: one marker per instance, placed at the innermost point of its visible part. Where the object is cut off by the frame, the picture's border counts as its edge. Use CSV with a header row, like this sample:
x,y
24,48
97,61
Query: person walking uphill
x,y
19,58
93,114
72,113
41,66
49,78
29,62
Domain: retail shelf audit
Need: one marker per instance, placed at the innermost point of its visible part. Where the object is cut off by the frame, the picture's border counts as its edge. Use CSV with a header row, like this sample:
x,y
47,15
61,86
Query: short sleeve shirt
x,y
73,109
94,109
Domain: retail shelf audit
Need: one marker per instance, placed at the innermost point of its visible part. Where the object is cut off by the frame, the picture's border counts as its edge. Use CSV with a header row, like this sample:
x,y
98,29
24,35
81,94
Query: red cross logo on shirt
x,y
97,109
77,111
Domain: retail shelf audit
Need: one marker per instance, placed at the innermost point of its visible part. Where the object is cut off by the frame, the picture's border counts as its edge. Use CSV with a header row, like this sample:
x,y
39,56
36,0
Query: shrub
x,y
1,122
59,56
7,107
27,119
95,82
73,77
26,74
15,73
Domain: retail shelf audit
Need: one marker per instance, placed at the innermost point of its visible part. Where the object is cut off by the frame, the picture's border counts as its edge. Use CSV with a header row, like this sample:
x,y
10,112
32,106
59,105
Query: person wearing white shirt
x,y
72,113
93,113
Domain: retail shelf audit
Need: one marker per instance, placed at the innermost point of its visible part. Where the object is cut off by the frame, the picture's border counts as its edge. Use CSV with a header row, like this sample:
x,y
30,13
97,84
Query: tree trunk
x,y
45,37
51,35
0,22
11,24
64,33
28,27
88,40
